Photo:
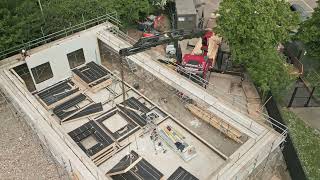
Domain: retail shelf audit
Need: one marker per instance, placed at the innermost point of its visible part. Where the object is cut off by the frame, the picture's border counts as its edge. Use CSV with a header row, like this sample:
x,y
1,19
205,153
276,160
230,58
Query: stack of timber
x,y
216,122
213,47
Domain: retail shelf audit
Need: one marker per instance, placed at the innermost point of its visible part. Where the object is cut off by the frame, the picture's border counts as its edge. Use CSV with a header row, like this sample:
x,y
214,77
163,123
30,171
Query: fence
x,y
289,152
303,95
111,17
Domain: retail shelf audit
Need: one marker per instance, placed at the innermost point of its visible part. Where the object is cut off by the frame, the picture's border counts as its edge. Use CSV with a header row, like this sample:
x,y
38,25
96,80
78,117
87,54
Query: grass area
x,y
307,143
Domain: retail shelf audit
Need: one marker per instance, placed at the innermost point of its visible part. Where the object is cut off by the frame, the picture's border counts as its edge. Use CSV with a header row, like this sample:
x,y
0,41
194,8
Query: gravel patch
x,y
22,155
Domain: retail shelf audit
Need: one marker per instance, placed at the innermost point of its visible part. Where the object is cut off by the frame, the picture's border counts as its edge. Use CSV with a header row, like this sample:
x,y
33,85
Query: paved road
x,y
310,115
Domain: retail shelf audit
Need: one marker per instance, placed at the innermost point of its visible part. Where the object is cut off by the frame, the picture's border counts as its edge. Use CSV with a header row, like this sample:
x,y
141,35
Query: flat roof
x,y
185,7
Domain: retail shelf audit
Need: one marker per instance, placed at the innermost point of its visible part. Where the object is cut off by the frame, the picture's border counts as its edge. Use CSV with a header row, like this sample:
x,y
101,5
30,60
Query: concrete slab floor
x,y
169,161
163,95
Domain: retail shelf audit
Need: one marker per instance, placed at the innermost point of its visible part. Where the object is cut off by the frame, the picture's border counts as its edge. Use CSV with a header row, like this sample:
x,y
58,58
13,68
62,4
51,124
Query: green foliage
x,y
307,143
131,10
16,23
309,33
253,29
22,20
271,72
159,3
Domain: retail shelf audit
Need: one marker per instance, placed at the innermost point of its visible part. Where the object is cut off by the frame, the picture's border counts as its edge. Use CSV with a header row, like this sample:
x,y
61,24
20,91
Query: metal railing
x,y
110,17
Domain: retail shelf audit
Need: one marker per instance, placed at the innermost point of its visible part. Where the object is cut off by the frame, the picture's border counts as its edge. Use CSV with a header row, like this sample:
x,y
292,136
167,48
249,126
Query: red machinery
x,y
199,62
203,56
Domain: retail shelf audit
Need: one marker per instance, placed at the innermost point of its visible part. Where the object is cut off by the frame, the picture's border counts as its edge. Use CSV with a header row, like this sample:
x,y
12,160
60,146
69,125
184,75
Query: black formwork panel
x,y
182,174
143,170
91,72
57,92
120,134
83,77
133,103
125,162
91,109
98,69
91,129
60,110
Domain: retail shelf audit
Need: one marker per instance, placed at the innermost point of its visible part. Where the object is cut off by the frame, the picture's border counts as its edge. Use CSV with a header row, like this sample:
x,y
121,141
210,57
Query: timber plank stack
x,y
216,122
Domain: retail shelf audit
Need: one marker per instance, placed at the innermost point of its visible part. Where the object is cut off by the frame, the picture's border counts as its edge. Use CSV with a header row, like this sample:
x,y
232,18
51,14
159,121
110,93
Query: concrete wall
x,y
56,54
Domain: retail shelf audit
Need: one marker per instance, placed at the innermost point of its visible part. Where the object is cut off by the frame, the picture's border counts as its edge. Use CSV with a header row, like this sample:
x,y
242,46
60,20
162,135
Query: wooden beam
x,y
216,122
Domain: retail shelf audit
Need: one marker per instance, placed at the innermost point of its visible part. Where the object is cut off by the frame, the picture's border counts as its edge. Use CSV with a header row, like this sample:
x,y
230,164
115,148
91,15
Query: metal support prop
x,y
293,96
310,96
122,59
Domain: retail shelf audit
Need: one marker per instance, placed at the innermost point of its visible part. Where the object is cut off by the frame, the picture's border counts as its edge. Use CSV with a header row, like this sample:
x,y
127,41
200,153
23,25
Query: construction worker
x,y
24,54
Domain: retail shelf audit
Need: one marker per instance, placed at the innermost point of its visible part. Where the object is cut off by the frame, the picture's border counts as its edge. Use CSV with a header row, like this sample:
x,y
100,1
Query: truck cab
x,y
196,64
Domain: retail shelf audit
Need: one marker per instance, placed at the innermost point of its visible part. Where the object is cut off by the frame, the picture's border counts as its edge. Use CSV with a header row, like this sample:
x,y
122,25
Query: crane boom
x,y
164,38
149,42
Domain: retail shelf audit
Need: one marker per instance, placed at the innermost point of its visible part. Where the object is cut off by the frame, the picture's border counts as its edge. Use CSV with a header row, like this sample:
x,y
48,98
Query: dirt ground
x,y
22,155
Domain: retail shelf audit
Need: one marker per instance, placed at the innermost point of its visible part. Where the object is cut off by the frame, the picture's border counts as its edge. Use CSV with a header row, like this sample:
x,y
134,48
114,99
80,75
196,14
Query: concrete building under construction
x,y
140,126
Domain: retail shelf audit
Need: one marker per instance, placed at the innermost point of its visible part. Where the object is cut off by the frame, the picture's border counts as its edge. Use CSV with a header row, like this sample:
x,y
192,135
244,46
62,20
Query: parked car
x,y
303,13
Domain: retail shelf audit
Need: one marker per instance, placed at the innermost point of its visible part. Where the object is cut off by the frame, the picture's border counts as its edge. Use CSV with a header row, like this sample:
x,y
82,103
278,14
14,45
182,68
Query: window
x,y
181,19
76,58
42,72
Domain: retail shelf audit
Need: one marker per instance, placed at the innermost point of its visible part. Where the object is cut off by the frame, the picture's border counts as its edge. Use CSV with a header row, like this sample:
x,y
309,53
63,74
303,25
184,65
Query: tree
x,y
271,73
309,33
22,20
129,10
253,29
159,3
18,22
